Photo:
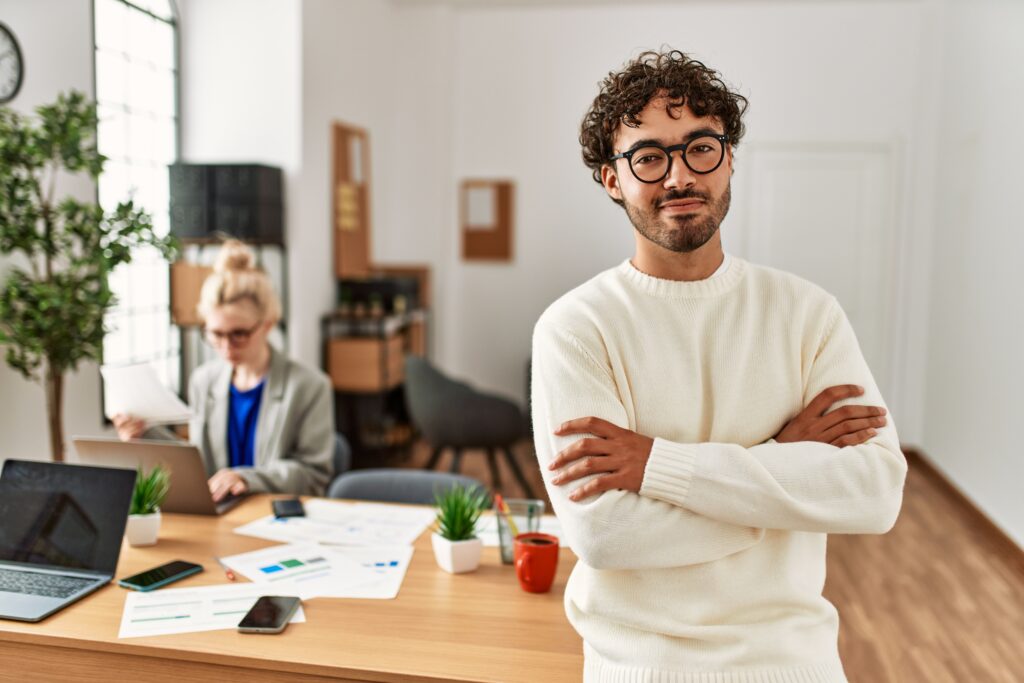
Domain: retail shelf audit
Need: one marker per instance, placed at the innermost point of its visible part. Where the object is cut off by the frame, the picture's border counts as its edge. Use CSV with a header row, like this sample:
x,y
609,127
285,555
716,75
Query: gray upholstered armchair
x,y
451,414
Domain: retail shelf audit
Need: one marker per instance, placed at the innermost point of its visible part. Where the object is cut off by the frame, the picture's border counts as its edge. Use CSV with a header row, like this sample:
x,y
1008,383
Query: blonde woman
x,y
263,422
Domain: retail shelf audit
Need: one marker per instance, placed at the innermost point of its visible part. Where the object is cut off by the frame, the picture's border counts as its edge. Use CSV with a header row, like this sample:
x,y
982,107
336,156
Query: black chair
x,y
389,485
453,415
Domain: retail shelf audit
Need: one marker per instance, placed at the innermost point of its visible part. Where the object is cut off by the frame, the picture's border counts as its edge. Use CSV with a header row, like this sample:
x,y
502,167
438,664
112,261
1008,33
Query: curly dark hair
x,y
625,93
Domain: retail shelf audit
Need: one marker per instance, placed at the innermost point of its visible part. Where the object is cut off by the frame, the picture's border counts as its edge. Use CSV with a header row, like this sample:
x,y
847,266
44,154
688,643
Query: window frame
x,y
174,350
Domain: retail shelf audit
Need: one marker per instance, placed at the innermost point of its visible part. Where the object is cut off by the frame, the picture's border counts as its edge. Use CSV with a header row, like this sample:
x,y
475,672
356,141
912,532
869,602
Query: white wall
x,y
240,98
975,368
56,44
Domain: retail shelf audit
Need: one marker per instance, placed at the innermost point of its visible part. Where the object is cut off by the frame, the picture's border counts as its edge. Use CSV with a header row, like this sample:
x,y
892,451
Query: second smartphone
x,y
270,614
157,577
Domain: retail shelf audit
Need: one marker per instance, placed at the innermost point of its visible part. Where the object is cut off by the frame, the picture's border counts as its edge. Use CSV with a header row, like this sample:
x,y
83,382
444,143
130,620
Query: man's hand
x,y
618,455
128,427
847,426
226,482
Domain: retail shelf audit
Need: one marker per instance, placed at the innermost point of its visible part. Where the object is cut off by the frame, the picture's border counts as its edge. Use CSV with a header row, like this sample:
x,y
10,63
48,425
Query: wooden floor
x,y
936,600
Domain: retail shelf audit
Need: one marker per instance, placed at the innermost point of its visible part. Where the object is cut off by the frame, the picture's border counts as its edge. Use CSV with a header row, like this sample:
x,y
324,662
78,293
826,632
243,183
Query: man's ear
x,y
610,180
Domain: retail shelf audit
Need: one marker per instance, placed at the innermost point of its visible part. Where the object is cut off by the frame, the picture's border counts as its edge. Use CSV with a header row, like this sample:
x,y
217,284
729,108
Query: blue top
x,y
242,416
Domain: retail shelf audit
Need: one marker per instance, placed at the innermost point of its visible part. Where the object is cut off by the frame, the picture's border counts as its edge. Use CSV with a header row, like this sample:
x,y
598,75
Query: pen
x,y
227,570
504,509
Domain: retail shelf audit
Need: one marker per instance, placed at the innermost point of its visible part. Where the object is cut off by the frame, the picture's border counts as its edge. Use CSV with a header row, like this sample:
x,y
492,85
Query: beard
x,y
681,233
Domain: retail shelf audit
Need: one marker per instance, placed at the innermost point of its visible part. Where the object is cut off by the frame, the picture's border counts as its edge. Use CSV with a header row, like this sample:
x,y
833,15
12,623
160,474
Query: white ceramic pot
x,y
457,557
142,529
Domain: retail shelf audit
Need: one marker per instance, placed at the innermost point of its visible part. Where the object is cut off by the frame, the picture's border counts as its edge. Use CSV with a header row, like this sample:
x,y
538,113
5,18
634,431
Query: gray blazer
x,y
294,430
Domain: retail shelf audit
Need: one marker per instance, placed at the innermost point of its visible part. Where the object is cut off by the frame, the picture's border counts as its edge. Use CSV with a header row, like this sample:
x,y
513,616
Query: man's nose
x,y
679,174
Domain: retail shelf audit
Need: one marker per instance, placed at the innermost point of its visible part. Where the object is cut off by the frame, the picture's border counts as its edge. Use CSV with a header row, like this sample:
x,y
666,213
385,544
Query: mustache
x,y
681,194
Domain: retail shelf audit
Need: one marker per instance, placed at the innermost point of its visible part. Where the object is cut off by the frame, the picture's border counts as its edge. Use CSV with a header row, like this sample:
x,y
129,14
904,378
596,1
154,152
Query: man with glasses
x,y
702,422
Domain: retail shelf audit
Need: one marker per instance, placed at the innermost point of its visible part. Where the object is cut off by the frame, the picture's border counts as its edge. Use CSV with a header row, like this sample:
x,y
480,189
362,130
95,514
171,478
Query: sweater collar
x,y
680,289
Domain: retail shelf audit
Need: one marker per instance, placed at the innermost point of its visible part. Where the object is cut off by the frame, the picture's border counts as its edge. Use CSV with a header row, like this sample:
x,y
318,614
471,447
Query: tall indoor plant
x,y
55,292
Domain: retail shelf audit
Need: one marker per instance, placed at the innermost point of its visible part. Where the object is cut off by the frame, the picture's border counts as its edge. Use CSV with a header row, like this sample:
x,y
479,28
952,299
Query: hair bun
x,y
234,255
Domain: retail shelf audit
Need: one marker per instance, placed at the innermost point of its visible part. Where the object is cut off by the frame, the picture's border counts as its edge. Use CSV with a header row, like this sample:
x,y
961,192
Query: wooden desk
x,y
469,627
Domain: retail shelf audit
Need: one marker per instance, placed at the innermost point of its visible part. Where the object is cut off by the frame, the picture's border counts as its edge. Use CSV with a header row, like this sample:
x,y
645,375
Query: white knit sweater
x,y
714,571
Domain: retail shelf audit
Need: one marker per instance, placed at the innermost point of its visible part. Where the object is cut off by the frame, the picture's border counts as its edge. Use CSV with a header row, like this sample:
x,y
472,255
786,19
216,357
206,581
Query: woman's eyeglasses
x,y
235,338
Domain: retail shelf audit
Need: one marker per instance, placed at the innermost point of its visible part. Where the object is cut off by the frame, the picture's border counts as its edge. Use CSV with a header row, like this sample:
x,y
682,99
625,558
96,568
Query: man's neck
x,y
248,375
663,264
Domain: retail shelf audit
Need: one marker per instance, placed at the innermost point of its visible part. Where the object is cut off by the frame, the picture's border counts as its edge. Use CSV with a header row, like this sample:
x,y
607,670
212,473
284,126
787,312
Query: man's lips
x,y
682,204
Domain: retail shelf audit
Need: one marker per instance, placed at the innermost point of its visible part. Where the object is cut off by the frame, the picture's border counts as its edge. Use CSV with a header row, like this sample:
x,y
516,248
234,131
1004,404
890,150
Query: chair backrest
x,y
396,485
451,413
429,396
342,455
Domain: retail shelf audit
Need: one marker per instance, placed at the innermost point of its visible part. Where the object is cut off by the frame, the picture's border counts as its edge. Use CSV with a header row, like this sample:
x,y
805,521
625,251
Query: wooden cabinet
x,y
365,364
365,358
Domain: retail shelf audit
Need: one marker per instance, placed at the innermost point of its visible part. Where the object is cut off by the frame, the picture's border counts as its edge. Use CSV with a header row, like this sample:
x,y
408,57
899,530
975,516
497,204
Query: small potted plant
x,y
456,547
144,515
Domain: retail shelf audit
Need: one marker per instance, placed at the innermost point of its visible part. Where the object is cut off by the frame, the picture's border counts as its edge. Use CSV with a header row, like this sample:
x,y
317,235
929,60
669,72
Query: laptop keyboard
x,y
35,583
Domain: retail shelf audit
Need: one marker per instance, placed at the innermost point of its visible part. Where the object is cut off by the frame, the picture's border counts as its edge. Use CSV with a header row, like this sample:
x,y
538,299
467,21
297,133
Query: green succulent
x,y
458,509
150,491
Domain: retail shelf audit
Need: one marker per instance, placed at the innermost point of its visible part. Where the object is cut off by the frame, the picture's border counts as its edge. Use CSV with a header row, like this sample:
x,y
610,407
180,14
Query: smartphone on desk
x,y
270,614
288,507
158,577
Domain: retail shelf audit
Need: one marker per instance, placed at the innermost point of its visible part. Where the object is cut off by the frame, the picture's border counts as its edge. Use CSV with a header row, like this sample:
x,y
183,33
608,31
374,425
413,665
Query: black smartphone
x,y
158,577
288,507
270,614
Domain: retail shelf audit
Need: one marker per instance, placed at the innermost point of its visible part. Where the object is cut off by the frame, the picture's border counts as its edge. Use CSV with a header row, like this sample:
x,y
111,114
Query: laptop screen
x,y
63,515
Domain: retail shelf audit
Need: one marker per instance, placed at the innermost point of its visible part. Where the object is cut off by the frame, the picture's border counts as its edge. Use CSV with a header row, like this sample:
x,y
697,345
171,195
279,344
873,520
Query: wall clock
x,y
12,68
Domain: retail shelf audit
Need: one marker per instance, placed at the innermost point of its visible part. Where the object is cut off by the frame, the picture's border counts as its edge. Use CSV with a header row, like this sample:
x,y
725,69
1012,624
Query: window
x,y
136,95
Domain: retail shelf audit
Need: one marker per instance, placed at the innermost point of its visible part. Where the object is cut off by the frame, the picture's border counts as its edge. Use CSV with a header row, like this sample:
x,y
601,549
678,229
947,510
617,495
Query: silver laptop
x,y
61,534
189,492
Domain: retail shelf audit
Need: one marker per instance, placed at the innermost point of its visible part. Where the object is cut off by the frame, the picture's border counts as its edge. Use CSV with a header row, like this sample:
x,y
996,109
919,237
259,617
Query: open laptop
x,y
60,535
189,492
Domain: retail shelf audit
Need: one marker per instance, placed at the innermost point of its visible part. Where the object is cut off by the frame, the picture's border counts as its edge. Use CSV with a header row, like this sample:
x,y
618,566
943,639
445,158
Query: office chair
x,y
391,485
454,415
342,455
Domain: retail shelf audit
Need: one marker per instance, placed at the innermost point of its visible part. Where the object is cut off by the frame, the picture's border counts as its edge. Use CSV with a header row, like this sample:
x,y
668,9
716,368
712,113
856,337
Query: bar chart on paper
x,y
293,568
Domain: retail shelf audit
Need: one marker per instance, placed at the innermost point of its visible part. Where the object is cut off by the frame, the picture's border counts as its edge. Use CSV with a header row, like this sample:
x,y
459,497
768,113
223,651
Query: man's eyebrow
x,y
647,142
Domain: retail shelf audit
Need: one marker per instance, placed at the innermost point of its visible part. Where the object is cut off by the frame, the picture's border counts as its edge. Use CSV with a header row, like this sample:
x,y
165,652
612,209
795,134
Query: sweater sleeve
x,y
805,486
616,529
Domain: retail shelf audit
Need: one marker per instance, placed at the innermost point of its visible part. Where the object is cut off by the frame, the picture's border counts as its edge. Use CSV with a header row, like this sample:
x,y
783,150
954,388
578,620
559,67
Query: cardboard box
x,y
186,282
365,364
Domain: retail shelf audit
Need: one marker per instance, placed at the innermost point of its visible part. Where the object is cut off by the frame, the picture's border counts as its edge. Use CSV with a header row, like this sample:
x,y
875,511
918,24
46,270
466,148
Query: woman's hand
x,y
226,482
128,427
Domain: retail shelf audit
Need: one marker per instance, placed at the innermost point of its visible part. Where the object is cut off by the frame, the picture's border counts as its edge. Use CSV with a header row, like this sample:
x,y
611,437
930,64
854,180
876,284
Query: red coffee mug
x,y
536,558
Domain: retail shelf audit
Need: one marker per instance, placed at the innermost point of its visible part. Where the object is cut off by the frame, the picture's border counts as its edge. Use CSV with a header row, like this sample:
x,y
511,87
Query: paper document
x,y
307,569
487,528
388,563
185,610
336,523
135,390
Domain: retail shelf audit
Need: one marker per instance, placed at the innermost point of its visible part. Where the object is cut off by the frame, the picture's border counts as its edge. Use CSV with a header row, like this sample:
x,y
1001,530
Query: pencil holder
x,y
525,514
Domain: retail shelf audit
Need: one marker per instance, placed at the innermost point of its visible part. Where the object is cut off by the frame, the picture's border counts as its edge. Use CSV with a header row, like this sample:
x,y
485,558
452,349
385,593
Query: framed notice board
x,y
486,216
350,197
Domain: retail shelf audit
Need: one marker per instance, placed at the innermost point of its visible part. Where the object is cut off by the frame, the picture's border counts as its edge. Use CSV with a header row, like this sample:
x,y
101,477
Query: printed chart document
x,y
306,568
487,528
185,610
136,390
350,524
